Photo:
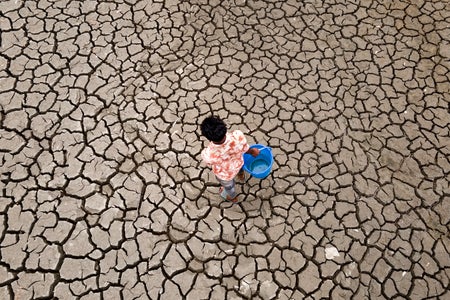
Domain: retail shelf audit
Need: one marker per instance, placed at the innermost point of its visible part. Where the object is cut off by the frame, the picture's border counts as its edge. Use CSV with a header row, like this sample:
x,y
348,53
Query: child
x,y
225,154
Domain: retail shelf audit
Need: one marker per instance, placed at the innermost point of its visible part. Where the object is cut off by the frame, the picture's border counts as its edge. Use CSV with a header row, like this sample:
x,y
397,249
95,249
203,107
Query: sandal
x,y
224,195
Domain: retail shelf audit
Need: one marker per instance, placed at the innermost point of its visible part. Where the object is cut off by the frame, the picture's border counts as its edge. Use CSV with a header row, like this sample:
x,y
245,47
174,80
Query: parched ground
x,y
103,195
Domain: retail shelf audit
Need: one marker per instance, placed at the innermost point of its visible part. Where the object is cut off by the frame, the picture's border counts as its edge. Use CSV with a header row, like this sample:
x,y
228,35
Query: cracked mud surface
x,y
102,192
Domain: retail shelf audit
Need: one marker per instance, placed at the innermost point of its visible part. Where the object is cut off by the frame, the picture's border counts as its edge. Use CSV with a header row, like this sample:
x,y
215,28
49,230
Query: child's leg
x,y
241,175
229,187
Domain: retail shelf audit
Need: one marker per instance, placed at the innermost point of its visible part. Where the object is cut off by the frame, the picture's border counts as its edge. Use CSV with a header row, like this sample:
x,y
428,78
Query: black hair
x,y
213,128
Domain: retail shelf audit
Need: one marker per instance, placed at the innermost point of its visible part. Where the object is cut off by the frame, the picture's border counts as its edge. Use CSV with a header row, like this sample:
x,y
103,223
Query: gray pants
x,y
229,187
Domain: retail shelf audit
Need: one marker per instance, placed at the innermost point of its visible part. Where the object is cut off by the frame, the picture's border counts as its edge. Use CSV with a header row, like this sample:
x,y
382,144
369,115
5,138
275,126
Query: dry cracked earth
x,y
104,196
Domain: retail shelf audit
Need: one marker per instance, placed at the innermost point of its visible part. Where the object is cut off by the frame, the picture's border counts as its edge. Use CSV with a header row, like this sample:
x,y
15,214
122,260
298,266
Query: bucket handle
x,y
262,148
265,147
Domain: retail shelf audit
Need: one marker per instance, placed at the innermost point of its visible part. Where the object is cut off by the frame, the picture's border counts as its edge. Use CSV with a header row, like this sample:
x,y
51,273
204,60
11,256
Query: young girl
x,y
224,154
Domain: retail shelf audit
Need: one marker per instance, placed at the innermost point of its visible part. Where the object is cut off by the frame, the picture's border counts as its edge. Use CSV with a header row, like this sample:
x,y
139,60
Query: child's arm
x,y
206,157
243,142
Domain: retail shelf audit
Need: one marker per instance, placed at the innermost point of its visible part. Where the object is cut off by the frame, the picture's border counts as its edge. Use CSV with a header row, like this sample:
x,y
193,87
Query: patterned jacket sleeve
x,y
206,156
241,140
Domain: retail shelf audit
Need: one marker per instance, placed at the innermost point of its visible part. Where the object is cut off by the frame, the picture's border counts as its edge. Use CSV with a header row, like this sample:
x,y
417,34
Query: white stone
x,y
331,252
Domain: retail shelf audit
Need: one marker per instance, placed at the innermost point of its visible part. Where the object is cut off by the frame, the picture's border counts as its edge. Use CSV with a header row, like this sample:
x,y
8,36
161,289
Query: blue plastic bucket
x,y
261,165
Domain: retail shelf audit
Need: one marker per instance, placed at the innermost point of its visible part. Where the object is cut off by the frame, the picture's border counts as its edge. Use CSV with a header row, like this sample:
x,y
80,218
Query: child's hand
x,y
253,151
